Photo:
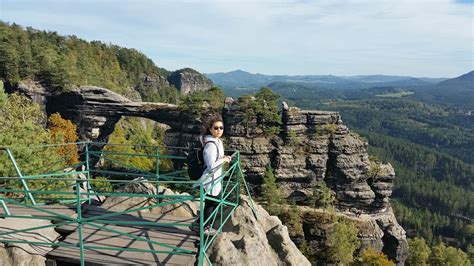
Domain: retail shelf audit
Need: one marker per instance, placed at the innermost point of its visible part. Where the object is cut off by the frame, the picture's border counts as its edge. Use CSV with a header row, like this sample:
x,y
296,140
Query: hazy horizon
x,y
433,39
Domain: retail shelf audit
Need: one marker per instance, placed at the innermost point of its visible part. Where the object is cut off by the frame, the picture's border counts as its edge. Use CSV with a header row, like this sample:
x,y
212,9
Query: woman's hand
x,y
227,159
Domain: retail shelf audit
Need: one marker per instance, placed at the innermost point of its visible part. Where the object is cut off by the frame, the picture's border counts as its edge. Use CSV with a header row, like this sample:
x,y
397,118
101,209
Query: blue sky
x,y
423,38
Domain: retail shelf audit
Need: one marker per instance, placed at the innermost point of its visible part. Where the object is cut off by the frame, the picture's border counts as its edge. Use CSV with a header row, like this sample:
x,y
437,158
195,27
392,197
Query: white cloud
x,y
419,38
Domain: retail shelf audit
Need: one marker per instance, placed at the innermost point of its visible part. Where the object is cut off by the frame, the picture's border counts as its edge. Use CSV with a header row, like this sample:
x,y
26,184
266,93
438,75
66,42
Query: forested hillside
x,y
431,148
63,63
425,131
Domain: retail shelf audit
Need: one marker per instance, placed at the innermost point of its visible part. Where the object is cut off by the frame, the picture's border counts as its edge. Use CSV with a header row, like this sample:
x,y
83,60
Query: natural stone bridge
x,y
95,111
314,146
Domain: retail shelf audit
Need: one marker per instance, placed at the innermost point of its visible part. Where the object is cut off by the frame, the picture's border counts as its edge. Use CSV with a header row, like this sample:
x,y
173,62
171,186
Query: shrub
x,y
374,258
64,131
343,242
270,192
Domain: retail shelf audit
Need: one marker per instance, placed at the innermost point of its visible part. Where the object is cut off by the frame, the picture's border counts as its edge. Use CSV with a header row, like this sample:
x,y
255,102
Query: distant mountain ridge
x,y
457,91
243,79
466,80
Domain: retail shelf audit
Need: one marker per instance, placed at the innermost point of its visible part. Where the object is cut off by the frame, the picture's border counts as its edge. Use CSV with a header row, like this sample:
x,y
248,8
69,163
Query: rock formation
x,y
96,111
19,254
314,146
260,239
188,80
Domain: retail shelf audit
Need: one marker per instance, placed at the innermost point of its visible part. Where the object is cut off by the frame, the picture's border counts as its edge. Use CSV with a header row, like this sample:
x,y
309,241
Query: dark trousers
x,y
209,207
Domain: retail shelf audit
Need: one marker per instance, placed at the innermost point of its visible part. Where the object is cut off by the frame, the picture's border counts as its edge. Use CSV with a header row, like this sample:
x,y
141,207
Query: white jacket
x,y
213,164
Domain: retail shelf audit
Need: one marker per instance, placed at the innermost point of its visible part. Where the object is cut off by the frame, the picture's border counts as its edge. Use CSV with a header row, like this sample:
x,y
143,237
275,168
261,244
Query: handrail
x,y
17,169
60,191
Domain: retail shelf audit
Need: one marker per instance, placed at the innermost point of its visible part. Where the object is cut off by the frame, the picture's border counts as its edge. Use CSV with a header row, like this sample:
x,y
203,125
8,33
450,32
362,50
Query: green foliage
x,y
330,128
418,252
431,188
21,130
431,148
447,130
321,196
199,101
343,242
21,126
398,94
64,131
292,136
266,106
442,255
270,192
374,170
262,109
373,258
135,137
292,218
63,63
308,251
470,253
247,106
101,184
3,95
158,91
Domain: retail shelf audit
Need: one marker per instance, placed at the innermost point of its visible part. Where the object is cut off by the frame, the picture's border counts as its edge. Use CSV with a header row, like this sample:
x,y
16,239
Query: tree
x,y
261,109
374,258
64,62
270,191
321,196
343,242
3,95
199,101
470,253
64,131
442,255
136,136
455,256
308,251
418,252
120,144
9,62
21,130
292,219
216,98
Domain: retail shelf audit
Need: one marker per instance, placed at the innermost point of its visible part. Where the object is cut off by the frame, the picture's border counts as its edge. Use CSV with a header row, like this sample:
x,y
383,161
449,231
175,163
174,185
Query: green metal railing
x,y
74,181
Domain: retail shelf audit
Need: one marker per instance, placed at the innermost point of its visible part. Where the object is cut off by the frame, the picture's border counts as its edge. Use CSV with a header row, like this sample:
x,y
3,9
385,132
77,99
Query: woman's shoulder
x,y
210,138
217,141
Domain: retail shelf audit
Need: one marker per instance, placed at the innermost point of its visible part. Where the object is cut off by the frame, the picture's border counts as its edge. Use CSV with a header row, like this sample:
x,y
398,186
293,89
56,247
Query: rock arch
x,y
95,111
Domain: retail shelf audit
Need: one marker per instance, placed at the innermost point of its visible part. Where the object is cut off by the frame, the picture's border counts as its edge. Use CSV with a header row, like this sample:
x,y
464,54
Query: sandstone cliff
x,y
316,146
188,80
246,239
313,146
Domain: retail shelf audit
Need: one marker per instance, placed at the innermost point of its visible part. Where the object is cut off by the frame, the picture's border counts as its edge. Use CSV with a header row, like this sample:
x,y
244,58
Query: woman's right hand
x,y
227,159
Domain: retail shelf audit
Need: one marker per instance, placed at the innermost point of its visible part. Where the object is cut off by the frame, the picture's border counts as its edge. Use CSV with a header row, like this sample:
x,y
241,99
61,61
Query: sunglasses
x,y
217,128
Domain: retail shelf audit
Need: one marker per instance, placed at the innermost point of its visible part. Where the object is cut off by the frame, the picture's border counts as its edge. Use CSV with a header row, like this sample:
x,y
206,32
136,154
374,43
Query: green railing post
x,y
231,175
23,182
5,208
79,221
237,193
157,167
202,245
88,172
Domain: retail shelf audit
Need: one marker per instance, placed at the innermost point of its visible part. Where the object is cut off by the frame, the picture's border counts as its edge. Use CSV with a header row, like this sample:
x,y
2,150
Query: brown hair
x,y
208,122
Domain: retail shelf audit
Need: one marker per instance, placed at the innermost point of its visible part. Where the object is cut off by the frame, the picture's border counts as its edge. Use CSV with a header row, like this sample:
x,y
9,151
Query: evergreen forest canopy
x,y
63,63
426,132
429,143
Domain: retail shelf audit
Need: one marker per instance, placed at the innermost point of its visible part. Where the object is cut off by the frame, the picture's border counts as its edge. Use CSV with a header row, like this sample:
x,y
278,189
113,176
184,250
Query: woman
x,y
214,158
